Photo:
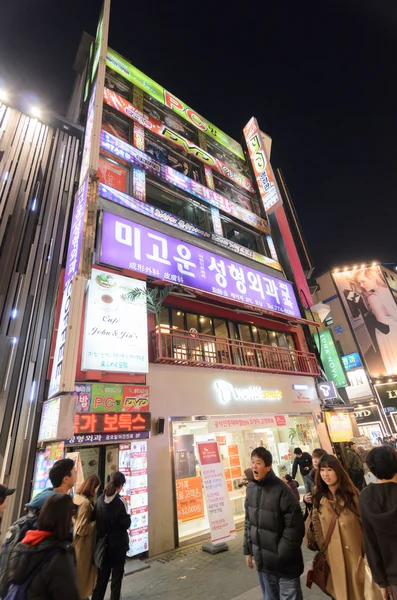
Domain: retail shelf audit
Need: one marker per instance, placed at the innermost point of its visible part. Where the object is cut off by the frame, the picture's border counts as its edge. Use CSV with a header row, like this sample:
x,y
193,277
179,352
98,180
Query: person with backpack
x,y
4,493
42,566
84,535
113,522
293,485
63,477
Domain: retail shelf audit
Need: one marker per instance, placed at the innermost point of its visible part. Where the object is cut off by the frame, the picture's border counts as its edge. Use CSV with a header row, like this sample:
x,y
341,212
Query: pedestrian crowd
x,y
66,548
351,527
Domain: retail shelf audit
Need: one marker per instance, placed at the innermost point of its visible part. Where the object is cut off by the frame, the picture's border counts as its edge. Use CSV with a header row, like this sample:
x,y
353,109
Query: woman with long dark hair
x,y
336,507
44,560
113,522
84,535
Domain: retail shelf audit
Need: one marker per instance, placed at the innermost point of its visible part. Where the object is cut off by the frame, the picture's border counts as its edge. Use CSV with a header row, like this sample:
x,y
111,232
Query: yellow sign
x,y
339,426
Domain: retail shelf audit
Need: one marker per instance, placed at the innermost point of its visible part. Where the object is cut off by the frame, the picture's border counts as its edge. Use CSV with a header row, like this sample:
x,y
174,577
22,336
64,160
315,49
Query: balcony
x,y
194,349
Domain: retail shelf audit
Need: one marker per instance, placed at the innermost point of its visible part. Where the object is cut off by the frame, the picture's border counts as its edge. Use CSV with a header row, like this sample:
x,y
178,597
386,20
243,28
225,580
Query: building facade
x,y
176,323
362,299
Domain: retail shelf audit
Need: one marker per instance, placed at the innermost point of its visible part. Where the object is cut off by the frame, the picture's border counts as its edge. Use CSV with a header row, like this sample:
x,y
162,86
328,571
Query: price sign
x,y
111,422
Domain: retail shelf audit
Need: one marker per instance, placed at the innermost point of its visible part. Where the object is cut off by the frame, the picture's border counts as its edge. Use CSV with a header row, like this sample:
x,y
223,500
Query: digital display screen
x,y
112,422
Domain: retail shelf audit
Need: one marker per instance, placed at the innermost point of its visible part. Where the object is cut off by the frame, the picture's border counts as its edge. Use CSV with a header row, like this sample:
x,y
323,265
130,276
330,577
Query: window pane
x,y
206,325
192,322
263,336
178,319
273,338
245,333
116,83
164,319
178,205
242,236
282,340
290,342
221,328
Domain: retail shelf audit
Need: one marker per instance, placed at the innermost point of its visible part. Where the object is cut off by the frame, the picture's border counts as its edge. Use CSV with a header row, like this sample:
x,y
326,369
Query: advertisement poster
x,y
89,461
45,459
108,397
75,456
133,246
372,312
82,393
219,507
111,462
189,499
115,330
339,427
50,419
113,175
133,463
333,366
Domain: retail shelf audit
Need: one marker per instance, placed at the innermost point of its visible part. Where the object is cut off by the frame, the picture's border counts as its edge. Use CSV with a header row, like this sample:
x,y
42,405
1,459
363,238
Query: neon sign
x,y
263,171
112,422
145,83
227,392
121,104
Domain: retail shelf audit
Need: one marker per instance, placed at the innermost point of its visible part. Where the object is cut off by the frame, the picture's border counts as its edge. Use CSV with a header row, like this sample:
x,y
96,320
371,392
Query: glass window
x,y
241,235
273,338
245,333
263,336
179,205
114,123
206,325
173,156
112,174
170,118
165,319
220,327
178,319
117,83
233,192
192,322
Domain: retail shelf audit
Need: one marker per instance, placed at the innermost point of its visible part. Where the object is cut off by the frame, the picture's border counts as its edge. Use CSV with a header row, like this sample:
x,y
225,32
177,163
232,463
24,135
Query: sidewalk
x,y
191,574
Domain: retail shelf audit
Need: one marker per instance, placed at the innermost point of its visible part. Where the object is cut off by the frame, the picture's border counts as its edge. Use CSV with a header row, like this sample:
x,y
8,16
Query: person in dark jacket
x,y
311,478
293,485
354,466
303,460
46,555
113,522
63,475
274,530
378,503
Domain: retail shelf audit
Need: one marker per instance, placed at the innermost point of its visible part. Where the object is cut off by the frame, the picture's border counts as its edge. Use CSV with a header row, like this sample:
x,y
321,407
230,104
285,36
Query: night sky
x,y
319,76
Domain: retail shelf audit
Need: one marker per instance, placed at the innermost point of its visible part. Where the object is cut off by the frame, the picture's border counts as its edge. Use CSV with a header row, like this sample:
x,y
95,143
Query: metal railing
x,y
200,350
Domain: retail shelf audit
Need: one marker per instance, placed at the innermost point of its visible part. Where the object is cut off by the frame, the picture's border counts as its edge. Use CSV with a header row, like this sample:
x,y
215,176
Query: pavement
x,y
191,574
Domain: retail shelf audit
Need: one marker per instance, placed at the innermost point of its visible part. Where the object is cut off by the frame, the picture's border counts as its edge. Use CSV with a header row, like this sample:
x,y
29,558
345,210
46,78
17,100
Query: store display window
x,y
235,449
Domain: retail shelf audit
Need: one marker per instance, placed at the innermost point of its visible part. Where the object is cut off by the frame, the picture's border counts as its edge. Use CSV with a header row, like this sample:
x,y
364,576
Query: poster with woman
x,y
372,312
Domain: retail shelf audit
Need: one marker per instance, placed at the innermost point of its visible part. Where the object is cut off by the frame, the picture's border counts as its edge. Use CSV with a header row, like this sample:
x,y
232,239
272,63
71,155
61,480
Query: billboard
x,y
268,189
115,330
133,246
330,358
156,91
372,312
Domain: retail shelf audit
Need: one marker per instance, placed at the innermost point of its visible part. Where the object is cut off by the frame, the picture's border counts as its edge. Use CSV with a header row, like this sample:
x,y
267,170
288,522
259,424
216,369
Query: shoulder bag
x,y
310,539
320,570
100,551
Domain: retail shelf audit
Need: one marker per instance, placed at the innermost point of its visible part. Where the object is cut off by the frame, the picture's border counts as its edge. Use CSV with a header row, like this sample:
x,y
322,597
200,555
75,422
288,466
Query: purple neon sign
x,y
132,246
76,233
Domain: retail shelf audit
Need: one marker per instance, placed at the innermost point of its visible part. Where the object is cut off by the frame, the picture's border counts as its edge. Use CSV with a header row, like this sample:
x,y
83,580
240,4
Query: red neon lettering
x,y
110,423
172,102
98,400
196,119
86,423
125,421
136,423
109,402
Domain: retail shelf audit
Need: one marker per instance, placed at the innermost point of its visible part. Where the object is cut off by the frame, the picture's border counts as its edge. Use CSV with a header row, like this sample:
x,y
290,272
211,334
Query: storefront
x,y
371,422
239,411
387,393
111,430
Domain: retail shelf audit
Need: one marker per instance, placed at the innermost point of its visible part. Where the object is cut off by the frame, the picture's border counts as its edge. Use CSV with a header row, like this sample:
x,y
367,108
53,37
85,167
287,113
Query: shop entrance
x,y
235,447
98,460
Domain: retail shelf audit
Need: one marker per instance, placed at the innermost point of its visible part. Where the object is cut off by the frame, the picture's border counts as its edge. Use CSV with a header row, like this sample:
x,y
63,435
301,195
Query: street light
x,y
35,112
3,96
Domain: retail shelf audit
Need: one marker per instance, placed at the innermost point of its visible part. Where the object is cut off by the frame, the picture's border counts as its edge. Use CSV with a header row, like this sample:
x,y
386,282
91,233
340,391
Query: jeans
x,y
275,587
103,580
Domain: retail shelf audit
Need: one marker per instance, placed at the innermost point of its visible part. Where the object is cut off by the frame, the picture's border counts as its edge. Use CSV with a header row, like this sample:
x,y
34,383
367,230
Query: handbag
x,y
320,570
100,551
310,538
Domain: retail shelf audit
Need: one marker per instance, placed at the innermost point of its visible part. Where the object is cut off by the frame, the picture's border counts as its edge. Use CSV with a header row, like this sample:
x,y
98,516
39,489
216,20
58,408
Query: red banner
x,y
113,175
149,122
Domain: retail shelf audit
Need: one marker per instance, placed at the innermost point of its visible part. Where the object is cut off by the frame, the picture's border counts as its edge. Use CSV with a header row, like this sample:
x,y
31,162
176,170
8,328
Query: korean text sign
x,y
115,331
189,499
217,497
132,246
260,162
76,233
111,422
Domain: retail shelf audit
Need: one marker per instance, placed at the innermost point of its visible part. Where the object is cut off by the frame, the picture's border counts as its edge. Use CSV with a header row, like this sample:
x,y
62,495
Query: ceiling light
x,y
3,96
35,112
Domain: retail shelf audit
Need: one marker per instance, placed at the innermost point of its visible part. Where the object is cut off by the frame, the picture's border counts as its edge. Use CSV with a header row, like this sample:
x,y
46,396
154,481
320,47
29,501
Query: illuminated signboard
x,y
262,168
162,130
115,329
352,361
56,421
156,91
111,422
165,217
134,156
132,246
330,358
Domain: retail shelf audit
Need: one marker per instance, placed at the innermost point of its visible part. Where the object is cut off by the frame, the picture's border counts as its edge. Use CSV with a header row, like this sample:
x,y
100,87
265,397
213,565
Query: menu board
x,y
133,463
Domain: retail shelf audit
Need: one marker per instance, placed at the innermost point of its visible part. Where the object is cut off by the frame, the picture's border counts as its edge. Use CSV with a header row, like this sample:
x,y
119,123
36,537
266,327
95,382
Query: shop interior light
x,y
202,319
374,264
355,267
179,313
4,96
336,271
345,269
363,266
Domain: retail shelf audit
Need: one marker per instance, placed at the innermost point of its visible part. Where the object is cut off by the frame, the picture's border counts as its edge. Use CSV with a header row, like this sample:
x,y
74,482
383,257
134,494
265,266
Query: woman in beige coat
x,y
335,493
84,536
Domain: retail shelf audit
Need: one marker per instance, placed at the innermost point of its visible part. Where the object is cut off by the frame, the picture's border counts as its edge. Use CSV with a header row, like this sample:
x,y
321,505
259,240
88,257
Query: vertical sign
x,y
264,175
330,358
217,497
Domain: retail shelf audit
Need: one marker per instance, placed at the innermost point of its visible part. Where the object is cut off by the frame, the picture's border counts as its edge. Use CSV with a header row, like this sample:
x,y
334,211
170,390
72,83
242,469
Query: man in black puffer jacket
x,y
274,530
